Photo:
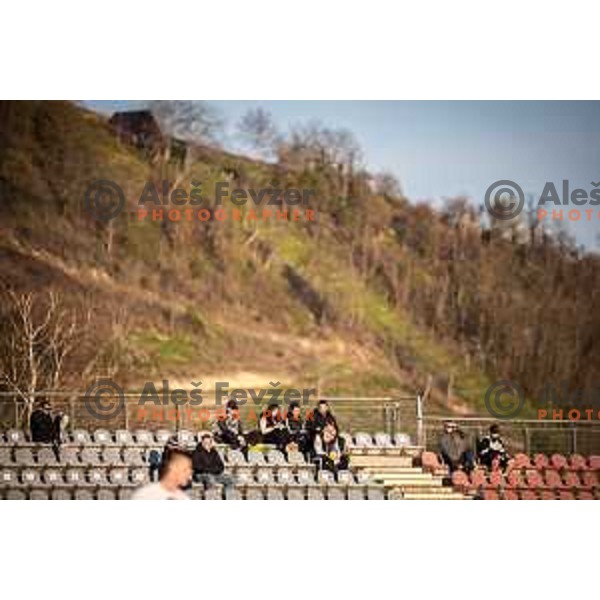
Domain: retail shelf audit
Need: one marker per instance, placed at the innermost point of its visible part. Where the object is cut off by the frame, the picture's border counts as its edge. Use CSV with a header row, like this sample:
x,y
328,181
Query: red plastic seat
x,y
541,462
594,462
578,462
565,495
490,495
547,495
496,478
534,480
460,480
521,461
528,495
510,495
514,479
553,479
590,479
572,479
558,462
585,495
430,461
478,478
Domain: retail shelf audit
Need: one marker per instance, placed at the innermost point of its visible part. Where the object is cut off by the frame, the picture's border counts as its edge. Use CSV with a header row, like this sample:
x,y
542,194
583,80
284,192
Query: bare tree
x,y
36,337
259,131
191,120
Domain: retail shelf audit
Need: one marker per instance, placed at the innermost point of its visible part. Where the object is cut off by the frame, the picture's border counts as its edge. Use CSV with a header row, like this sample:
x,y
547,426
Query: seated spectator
x,y
273,428
174,475
491,449
454,449
156,458
330,450
320,418
228,429
208,465
296,428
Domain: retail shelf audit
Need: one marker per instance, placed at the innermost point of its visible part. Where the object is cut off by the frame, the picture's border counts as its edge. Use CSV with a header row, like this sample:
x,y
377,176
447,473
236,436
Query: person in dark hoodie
x,y
491,449
296,427
320,418
42,424
208,465
454,449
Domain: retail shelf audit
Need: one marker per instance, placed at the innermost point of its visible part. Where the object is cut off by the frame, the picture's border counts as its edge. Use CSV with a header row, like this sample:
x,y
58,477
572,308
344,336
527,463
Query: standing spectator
x,y
273,428
175,473
320,418
208,465
156,458
42,425
454,449
330,450
296,428
491,449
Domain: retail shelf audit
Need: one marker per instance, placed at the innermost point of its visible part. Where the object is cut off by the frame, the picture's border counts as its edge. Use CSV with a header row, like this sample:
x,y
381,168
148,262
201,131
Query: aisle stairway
x,y
401,478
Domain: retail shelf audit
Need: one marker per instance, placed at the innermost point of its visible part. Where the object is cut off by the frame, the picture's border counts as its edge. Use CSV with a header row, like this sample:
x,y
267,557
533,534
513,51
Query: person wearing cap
x,y
454,449
174,475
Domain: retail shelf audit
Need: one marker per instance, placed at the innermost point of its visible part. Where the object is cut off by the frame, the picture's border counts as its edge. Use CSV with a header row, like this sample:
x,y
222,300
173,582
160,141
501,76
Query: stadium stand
x,y
105,465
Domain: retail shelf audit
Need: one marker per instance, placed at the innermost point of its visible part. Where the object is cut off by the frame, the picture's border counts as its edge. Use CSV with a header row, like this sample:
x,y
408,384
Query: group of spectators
x,y
316,437
456,452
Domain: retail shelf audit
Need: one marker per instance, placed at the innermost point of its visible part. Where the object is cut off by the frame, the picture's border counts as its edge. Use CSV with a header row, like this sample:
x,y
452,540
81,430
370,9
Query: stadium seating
x,y
107,465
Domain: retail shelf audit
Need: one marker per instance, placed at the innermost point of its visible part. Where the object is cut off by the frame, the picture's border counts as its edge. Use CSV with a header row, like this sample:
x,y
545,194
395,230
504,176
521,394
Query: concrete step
x,y
379,461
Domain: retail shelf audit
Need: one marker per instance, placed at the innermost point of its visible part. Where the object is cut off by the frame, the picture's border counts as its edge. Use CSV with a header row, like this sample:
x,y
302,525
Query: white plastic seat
x,y
143,437
124,493
232,494
97,476
118,476
296,458
356,493
235,457
24,457
375,494
112,456
8,477
75,477
325,477
89,456
335,494
383,440
53,477
80,436
46,456
345,477
256,458
213,493
15,436
39,495
185,437
363,440
133,457
61,494
83,494
139,476
103,437
14,494
69,455
254,494
285,476
30,477
123,437
106,494
295,494
274,493
162,436
402,439
315,494
264,476
305,476
275,457
5,456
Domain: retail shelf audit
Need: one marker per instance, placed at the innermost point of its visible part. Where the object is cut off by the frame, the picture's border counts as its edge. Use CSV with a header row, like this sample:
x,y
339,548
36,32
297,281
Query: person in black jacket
x,y
491,449
208,465
296,427
228,428
43,429
273,428
321,417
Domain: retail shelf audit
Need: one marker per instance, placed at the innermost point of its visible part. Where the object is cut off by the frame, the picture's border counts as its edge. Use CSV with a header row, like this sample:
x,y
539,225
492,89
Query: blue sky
x,y
440,149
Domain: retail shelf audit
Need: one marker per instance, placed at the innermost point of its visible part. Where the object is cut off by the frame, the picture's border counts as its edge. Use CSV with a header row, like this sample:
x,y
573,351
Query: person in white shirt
x,y
175,473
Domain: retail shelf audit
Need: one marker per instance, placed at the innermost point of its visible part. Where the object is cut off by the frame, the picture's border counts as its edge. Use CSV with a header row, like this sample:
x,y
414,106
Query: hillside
x,y
377,297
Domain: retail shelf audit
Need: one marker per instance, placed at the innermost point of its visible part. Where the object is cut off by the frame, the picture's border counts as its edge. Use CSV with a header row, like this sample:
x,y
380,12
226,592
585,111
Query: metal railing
x,y
390,414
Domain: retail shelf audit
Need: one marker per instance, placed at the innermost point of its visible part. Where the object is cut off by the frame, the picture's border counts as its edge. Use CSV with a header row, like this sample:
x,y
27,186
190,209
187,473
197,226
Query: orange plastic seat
x,y
541,462
577,462
558,462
